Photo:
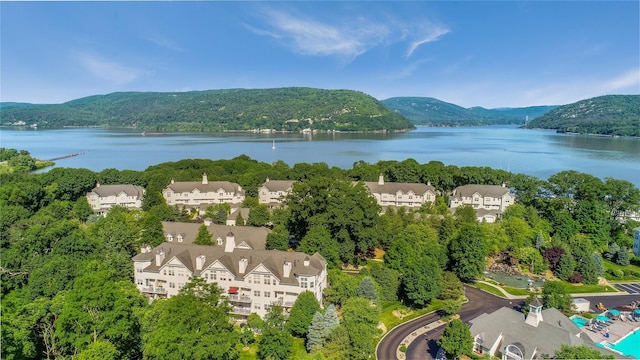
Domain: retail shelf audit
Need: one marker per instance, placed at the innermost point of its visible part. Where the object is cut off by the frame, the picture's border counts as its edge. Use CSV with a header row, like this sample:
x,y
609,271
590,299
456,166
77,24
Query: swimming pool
x,y
580,322
629,345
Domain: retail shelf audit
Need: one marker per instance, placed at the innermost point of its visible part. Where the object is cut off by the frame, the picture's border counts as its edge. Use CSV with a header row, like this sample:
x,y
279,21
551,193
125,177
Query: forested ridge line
x,y
280,109
67,279
613,115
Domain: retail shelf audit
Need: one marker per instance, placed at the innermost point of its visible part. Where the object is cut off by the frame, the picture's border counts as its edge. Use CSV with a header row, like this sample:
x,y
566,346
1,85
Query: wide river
x,y
539,153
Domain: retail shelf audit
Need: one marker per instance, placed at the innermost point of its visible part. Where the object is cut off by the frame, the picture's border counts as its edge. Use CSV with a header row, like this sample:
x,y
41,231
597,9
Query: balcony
x,y
239,298
154,290
281,302
241,310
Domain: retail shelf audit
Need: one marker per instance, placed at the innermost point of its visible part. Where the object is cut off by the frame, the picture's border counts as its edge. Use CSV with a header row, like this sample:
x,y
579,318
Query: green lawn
x,y
489,289
516,291
581,289
297,350
390,321
250,354
631,272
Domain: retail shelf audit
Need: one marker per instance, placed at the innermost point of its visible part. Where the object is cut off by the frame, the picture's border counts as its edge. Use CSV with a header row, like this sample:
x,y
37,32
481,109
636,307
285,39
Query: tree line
x,y
67,281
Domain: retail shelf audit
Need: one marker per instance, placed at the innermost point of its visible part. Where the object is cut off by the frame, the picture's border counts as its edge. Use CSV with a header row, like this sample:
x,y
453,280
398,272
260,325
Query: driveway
x,y
425,346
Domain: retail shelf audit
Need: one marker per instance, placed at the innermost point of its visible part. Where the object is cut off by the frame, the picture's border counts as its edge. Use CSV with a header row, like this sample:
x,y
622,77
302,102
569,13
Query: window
x,y
139,282
256,279
172,285
303,283
267,294
256,306
180,285
139,270
213,276
311,284
172,272
267,280
256,293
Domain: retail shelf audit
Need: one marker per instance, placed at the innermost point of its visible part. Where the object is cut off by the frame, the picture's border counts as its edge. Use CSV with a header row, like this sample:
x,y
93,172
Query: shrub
x,y
576,278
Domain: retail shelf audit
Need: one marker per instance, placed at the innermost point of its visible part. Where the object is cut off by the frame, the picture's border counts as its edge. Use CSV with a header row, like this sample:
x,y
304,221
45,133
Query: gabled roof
x,y
494,191
278,185
556,329
211,186
256,237
393,188
115,190
271,259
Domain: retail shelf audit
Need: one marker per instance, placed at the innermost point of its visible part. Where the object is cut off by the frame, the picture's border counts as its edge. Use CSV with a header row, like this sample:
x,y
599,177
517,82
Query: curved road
x,y
425,347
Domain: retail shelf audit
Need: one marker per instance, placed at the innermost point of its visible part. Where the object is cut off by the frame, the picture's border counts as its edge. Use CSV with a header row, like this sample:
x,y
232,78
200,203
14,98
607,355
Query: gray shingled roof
x,y
555,329
256,237
271,259
393,187
494,191
211,186
278,185
115,190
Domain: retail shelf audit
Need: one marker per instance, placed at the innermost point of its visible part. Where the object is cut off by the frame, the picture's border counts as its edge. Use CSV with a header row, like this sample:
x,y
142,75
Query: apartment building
x,y
104,197
201,194
394,194
272,192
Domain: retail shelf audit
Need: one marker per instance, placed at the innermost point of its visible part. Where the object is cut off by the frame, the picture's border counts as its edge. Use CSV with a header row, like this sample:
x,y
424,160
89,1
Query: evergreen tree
x,y
316,334
566,267
331,319
388,280
239,219
203,237
539,242
367,289
622,256
221,215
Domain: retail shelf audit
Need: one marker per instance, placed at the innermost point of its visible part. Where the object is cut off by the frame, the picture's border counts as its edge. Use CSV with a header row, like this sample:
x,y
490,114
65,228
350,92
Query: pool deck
x,y
617,330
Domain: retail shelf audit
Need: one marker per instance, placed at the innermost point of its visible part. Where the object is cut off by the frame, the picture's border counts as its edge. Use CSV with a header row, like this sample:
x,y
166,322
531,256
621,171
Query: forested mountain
x,y
430,111
289,109
607,115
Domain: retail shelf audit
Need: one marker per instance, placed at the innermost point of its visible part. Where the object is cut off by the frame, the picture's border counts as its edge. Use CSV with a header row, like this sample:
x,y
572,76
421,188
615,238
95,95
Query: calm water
x,y
540,153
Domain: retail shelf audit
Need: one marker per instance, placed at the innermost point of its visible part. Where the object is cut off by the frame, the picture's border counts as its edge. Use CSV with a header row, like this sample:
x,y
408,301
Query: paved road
x,y
425,347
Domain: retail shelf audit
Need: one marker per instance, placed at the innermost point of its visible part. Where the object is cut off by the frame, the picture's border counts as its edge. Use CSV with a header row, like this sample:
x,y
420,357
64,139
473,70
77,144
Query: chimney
x,y
205,180
159,257
173,181
429,183
504,184
219,240
145,249
267,179
97,184
207,222
286,268
230,243
306,261
381,179
200,262
242,267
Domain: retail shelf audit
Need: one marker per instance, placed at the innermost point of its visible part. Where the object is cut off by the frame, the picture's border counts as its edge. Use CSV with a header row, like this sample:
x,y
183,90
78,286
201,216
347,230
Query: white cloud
x,y
311,37
109,70
163,42
408,70
629,79
347,38
431,36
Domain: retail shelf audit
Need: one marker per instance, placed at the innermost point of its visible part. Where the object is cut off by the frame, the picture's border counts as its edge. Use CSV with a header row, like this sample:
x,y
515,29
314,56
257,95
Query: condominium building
x,y
272,192
201,194
401,194
104,197
253,279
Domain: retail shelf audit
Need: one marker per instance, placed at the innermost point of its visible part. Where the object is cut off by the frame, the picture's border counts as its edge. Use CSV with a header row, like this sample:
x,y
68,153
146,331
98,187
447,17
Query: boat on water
x,y
274,144
144,133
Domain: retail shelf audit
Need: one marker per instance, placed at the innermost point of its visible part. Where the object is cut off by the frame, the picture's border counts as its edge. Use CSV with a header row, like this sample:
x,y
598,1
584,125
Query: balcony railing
x,y
154,290
241,310
283,303
239,298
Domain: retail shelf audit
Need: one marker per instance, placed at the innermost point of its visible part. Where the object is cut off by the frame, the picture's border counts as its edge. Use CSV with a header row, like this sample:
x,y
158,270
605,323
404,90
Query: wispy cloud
x,y
626,80
407,71
163,42
347,38
431,36
106,69
312,37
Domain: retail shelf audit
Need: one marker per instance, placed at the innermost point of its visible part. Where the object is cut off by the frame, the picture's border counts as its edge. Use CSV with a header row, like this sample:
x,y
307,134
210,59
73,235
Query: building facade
x,y
411,195
489,201
253,279
272,192
104,197
636,241
200,195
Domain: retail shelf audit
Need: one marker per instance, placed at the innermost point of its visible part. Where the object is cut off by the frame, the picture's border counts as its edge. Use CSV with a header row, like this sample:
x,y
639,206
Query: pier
x,y
65,156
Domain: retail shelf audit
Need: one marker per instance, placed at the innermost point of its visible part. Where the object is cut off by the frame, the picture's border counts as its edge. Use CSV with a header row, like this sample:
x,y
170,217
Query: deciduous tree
x,y
456,339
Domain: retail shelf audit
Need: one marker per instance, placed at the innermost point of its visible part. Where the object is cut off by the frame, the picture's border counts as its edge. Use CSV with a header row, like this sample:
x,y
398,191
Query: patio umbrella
x,y
602,318
614,312
637,311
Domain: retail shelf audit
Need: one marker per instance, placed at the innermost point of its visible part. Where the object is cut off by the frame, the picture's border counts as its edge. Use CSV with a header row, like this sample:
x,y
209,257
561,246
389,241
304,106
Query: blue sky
x,y
470,53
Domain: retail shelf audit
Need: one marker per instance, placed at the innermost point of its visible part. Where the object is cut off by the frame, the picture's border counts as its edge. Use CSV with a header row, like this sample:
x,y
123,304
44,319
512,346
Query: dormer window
x,y
220,241
180,238
169,237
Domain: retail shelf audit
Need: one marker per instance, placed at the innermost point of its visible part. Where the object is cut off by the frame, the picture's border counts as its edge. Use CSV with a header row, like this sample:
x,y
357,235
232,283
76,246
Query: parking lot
x,y
631,288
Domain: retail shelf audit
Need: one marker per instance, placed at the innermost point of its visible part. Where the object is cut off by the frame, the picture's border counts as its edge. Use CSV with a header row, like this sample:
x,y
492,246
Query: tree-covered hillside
x,y
290,109
607,115
430,111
